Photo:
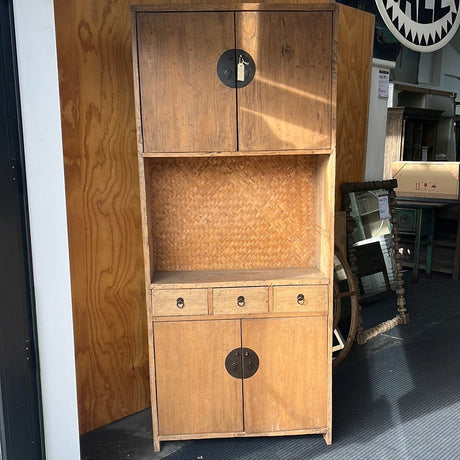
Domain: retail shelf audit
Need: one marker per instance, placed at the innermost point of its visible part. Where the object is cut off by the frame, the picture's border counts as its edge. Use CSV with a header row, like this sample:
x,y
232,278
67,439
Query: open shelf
x,y
210,278
245,213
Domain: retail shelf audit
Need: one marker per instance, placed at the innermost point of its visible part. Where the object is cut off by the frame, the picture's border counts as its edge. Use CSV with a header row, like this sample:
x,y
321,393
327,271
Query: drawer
x,y
300,298
240,300
179,302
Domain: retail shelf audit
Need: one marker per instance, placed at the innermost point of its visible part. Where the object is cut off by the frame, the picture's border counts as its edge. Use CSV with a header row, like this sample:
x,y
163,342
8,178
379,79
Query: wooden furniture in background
x,y
417,220
430,236
457,137
411,136
237,209
446,252
354,65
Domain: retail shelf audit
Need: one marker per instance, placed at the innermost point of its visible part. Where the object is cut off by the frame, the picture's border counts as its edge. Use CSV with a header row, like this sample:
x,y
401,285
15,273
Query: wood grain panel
x,y
179,86
288,391
195,392
288,104
356,30
99,140
394,140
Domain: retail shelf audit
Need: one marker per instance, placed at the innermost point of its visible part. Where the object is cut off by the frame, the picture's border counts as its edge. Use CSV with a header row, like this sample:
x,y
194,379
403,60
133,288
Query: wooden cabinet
x,y
178,81
237,199
411,136
197,395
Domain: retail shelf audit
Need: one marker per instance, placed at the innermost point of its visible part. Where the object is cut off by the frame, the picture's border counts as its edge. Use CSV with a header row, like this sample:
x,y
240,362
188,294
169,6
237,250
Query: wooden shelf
x,y
211,278
237,153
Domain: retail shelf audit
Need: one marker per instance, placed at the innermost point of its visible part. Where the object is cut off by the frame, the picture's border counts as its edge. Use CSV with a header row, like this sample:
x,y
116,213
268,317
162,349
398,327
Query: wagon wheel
x,y
346,308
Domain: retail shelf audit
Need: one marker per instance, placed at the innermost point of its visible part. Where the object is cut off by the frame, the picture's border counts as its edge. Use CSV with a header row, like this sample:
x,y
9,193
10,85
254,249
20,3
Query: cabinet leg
x,y
156,444
429,246
328,438
418,235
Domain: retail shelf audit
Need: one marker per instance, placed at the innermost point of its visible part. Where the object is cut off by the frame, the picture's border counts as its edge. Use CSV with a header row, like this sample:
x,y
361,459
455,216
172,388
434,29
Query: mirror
x,y
373,255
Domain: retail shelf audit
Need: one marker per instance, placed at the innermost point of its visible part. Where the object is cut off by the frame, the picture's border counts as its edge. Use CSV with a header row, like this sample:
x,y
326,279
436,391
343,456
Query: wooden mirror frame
x,y
402,317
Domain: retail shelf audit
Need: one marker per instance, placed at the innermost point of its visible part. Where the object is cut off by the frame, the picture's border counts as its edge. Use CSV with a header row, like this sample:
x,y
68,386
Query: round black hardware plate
x,y
227,68
233,363
250,363
242,363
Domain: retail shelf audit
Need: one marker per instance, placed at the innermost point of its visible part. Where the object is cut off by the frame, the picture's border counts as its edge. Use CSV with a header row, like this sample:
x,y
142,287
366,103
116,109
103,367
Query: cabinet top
x,y
282,69
327,6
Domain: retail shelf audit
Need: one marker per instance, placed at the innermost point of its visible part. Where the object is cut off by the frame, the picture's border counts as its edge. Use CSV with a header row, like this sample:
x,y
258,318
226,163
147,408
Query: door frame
x,y
21,425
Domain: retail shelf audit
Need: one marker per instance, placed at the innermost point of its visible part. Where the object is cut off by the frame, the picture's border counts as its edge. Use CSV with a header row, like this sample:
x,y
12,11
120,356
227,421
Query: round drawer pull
x,y
180,302
300,299
240,301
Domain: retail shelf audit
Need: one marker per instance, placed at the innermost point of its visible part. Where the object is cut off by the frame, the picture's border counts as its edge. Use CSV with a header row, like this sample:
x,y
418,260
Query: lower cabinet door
x,y
195,393
289,389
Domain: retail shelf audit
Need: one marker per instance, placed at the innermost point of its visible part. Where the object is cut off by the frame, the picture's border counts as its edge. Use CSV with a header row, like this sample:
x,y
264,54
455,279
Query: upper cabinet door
x,y
288,105
185,107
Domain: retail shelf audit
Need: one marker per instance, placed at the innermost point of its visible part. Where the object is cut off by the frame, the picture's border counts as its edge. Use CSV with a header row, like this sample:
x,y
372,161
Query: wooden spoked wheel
x,y
346,308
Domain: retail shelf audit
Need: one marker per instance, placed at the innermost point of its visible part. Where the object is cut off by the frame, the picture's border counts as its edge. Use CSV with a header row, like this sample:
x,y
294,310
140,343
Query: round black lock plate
x,y
250,363
242,363
227,68
234,364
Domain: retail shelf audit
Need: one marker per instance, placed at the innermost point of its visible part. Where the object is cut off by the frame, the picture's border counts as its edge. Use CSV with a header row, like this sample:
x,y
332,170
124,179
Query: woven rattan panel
x,y
232,213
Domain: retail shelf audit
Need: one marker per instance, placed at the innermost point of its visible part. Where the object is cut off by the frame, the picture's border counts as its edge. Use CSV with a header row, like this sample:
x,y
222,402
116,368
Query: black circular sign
x,y
421,25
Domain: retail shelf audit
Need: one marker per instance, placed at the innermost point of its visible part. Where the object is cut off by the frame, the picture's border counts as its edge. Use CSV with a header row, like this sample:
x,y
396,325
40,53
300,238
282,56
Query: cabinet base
x,y
327,435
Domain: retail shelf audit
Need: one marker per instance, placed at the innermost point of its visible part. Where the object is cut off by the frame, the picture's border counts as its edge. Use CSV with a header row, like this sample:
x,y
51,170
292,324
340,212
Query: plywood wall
x,y
356,32
98,122
99,137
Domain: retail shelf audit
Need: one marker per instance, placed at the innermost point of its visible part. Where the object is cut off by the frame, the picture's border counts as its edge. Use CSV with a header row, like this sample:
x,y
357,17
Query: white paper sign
x,y
384,83
384,208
